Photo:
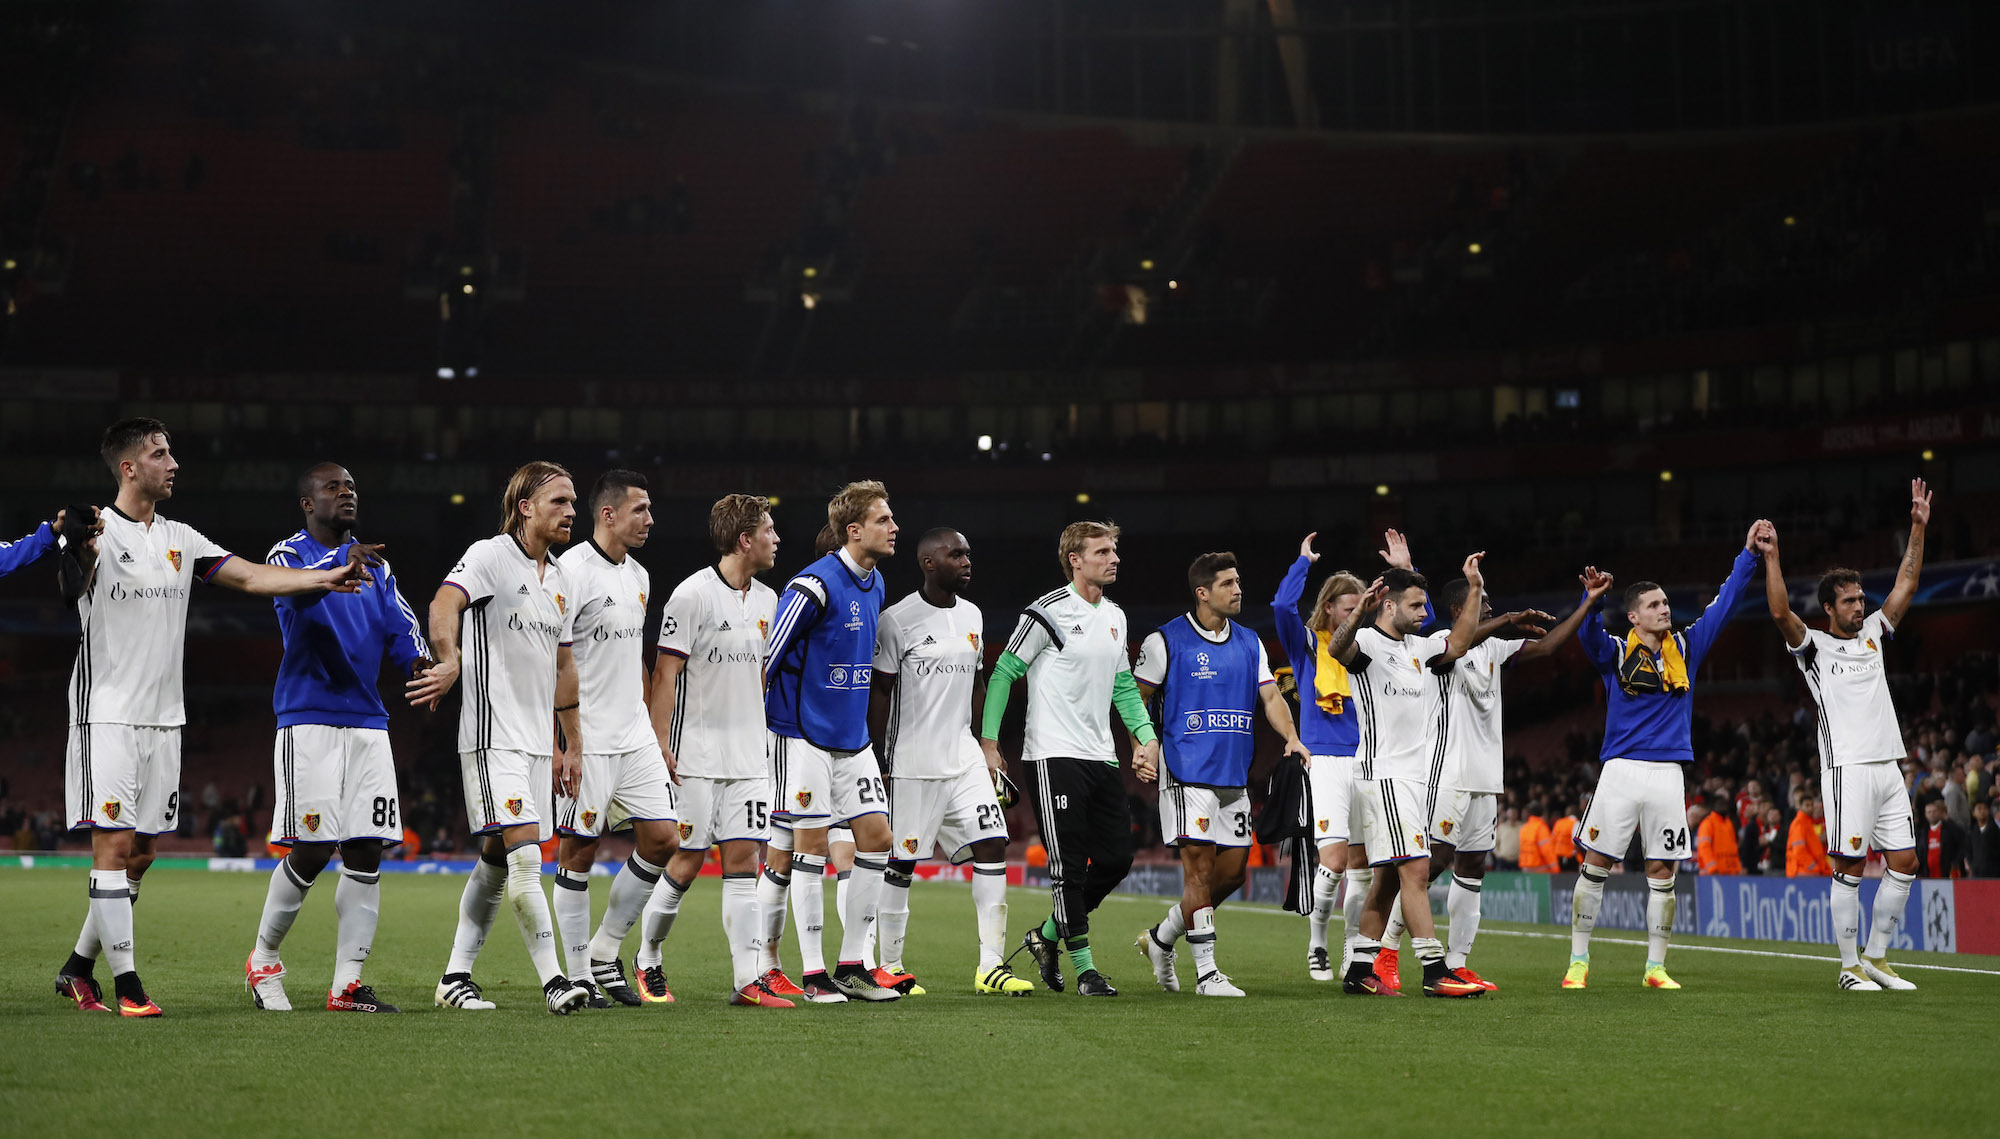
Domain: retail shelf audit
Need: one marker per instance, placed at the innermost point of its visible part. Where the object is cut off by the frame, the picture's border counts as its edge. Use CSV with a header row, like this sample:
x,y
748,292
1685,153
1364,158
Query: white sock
x,y
742,927
1429,954
1172,928
1461,906
357,908
629,892
1359,882
864,898
989,901
111,913
1660,906
476,909
1847,919
1586,898
87,944
572,907
808,893
1392,934
1201,938
1890,898
1326,888
771,891
662,907
531,909
281,908
892,918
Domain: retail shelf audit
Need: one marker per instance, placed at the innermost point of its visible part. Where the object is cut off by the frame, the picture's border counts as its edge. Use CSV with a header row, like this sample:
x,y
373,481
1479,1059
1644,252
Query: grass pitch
x,y
1753,1045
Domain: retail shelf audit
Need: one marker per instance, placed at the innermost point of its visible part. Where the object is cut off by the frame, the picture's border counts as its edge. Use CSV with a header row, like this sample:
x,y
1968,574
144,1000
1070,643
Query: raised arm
x,y
1701,635
1292,633
1463,630
1597,644
429,686
280,581
1905,589
1548,644
1776,596
1341,645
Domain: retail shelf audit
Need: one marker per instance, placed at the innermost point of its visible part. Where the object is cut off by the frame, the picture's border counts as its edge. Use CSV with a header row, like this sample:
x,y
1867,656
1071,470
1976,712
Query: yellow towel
x,y
1330,687
1639,676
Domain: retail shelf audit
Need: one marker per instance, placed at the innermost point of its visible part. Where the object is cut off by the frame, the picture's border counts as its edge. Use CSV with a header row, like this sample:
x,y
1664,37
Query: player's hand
x,y
1373,599
362,555
1750,539
346,578
1298,751
1920,503
1596,583
1473,577
994,760
1398,552
1146,761
82,532
1306,548
420,666
1531,621
568,771
429,686
673,765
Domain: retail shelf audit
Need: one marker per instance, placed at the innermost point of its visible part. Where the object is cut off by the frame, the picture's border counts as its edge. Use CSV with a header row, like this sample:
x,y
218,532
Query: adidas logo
x,y
125,556
1076,628
928,641
610,601
524,591
722,628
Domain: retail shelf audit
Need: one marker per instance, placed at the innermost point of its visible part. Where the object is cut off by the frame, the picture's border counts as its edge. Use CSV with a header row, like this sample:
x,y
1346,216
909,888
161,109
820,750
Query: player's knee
x,y
1903,861
989,850
577,853
309,858
1468,865
363,856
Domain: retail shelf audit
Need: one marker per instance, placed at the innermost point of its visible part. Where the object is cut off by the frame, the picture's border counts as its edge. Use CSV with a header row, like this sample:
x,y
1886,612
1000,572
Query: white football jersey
x,y
935,655
128,664
1857,720
1074,651
1400,702
1473,752
518,618
609,646
723,635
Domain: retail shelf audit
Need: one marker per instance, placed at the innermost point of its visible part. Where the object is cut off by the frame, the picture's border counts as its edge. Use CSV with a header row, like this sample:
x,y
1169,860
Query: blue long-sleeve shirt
x,y
18,555
1656,726
335,642
1322,733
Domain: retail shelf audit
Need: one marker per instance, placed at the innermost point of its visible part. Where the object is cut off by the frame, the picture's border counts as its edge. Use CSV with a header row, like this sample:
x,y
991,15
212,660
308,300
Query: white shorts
x,y
953,813
334,784
1392,819
1330,780
508,789
1867,807
1465,819
817,788
1218,815
615,790
723,810
123,777
1648,796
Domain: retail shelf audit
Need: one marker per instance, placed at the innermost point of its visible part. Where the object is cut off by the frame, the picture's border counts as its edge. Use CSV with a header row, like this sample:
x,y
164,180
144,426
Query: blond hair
x,y
528,479
851,506
733,516
1333,589
1078,534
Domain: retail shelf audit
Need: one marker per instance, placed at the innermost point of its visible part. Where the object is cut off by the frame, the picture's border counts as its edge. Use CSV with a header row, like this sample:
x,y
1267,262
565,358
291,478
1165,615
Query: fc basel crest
x,y
589,819
763,628
311,820
174,556
514,807
1201,824
1853,842
1445,826
111,809
561,603
1593,834
687,829
805,799
910,844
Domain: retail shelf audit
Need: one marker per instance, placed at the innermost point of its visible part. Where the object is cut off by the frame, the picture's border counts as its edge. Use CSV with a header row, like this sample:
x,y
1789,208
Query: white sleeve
x,y
1879,622
1264,675
199,547
1504,652
677,625
888,646
1805,645
1366,645
1152,667
473,575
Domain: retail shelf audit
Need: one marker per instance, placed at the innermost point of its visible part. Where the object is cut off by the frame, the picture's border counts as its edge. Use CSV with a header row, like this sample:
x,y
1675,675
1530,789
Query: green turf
x,y
1753,1045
